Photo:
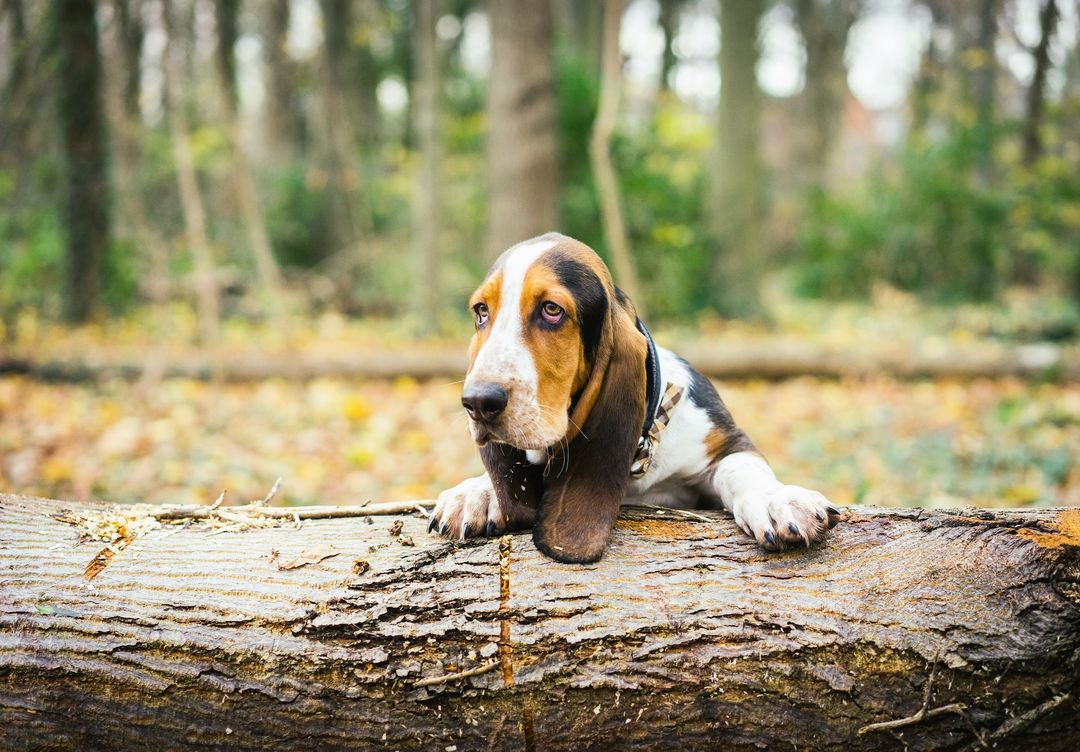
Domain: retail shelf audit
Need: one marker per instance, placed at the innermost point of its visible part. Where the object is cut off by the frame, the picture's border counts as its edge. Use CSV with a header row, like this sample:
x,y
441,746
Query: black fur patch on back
x,y
589,294
703,394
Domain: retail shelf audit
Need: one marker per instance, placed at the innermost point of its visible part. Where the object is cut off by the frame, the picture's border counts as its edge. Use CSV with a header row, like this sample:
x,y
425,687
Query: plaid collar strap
x,y
648,442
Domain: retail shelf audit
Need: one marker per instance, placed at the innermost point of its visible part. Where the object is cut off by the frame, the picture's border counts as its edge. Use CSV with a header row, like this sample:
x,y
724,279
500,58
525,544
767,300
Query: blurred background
x,y
237,237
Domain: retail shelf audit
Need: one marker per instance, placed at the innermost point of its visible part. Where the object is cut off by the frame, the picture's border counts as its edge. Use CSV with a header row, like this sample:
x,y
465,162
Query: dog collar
x,y
657,414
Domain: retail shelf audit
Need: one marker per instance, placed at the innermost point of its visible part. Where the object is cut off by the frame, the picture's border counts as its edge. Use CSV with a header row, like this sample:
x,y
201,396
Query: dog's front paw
x,y
468,509
786,516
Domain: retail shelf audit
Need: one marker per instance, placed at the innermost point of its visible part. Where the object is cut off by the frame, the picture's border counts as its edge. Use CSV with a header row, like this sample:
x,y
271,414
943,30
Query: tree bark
x,y
607,182
738,180
522,155
82,125
354,633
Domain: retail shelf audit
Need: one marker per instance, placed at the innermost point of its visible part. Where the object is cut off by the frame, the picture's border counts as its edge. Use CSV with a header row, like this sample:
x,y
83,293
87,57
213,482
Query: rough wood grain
x,y
685,636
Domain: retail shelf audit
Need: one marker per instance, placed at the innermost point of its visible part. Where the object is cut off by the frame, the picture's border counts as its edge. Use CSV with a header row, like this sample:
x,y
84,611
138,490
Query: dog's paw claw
x,y
469,509
787,516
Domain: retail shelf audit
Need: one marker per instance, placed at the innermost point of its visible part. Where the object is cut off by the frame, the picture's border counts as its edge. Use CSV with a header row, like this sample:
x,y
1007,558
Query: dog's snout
x,y
484,401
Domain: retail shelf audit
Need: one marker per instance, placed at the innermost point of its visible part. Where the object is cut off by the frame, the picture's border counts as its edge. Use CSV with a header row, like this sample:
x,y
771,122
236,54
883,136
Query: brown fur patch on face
x,y
580,503
584,276
490,294
557,349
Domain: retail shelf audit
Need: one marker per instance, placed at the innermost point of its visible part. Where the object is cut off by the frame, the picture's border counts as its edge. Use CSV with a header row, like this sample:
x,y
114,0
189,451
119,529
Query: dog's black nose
x,y
484,401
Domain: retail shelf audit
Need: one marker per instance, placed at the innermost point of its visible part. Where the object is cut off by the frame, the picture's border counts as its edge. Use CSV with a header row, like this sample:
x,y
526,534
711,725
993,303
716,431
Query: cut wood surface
x,y
910,628
766,359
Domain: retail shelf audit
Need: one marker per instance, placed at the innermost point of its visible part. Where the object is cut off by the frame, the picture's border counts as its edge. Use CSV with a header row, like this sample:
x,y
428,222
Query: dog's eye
x,y
552,312
481,312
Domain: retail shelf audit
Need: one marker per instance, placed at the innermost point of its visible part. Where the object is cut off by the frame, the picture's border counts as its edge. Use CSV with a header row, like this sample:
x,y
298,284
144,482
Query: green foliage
x,y
577,89
662,179
121,276
295,205
944,225
31,260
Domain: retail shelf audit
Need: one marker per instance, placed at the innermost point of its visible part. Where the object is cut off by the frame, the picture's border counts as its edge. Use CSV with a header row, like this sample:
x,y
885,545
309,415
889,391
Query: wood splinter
x,y
432,681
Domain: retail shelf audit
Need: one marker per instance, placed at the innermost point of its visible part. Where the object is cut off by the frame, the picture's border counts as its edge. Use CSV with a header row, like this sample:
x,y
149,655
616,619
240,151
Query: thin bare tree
x,y
426,120
284,111
246,190
124,43
206,286
81,112
607,183
1036,95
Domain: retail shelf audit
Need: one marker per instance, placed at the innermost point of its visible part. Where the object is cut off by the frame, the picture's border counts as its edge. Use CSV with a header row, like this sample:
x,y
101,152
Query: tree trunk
x,y
522,153
824,28
347,633
581,25
283,108
738,190
349,220
607,182
15,115
928,80
187,180
669,26
82,125
984,84
426,111
1036,96
131,44
247,193
123,50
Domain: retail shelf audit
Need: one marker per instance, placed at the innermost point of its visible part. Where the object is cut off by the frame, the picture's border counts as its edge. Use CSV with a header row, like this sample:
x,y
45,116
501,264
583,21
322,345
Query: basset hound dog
x,y
575,410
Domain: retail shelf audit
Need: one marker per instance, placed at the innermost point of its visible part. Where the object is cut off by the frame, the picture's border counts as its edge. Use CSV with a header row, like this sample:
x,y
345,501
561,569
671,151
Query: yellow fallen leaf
x,y
356,408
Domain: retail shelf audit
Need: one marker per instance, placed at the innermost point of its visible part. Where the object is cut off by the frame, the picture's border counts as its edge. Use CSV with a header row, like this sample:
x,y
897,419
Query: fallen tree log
x,y
769,358
909,628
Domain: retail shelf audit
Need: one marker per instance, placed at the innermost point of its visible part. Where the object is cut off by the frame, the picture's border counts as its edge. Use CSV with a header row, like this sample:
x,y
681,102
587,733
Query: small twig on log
x,y
293,513
273,491
925,712
674,511
1020,722
454,677
219,500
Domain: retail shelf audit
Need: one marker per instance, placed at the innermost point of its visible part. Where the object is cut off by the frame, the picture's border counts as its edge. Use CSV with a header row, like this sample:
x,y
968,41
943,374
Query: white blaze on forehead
x,y
504,358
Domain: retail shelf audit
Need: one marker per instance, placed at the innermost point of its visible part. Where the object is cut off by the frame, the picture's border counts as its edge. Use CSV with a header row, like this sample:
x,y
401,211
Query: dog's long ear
x,y
518,484
580,503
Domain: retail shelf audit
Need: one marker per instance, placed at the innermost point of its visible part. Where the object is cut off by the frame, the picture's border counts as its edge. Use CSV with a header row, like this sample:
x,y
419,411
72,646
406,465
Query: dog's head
x,y
557,367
